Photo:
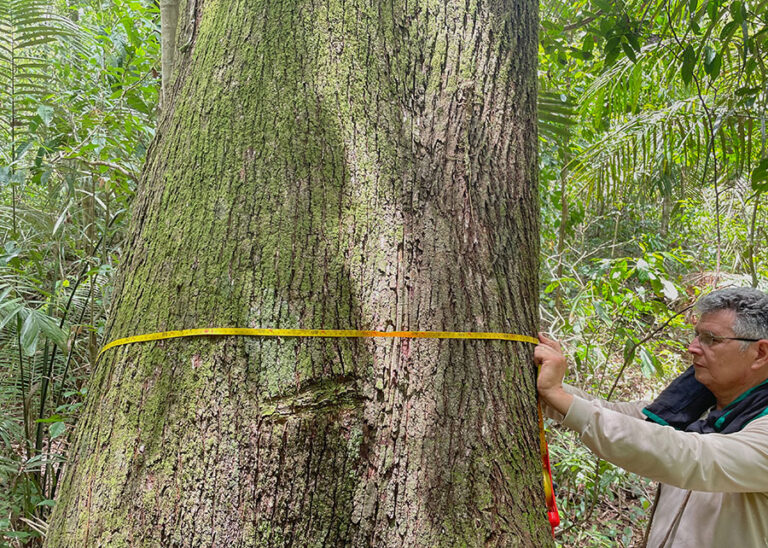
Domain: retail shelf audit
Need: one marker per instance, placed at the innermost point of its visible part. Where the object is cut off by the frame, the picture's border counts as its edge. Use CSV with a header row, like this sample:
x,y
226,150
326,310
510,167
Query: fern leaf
x,y
26,26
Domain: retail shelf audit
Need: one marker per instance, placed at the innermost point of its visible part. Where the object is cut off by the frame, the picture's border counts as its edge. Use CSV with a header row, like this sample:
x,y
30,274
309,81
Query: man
x,y
705,438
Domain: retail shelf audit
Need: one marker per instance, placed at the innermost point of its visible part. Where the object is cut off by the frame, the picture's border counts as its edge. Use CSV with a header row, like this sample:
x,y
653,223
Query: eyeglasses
x,y
708,339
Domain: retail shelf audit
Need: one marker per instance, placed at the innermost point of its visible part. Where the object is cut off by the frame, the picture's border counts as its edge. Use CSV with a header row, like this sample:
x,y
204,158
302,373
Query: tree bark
x,y
350,164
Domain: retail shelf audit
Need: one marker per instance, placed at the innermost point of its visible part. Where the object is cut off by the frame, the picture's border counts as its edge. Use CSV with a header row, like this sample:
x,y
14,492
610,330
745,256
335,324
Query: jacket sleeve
x,y
735,463
633,409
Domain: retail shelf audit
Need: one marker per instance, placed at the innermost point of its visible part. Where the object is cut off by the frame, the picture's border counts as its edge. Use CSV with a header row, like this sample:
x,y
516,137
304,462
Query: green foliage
x,y
673,104
78,87
26,27
617,304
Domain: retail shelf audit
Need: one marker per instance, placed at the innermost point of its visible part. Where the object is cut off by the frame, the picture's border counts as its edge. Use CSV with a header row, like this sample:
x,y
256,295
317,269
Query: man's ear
x,y
761,360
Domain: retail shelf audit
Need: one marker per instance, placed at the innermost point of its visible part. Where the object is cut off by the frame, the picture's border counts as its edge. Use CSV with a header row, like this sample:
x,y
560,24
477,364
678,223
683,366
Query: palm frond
x,y
556,116
26,26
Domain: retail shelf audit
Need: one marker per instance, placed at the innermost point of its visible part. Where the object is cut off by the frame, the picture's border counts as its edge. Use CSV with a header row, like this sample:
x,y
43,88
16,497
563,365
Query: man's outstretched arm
x,y
713,462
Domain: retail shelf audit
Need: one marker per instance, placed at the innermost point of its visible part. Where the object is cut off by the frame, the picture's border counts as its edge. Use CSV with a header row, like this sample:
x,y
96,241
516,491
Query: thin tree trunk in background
x,y
667,205
339,165
169,22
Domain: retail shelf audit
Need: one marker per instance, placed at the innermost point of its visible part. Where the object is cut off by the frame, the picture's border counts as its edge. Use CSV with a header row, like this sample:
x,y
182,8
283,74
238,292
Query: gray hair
x,y
749,305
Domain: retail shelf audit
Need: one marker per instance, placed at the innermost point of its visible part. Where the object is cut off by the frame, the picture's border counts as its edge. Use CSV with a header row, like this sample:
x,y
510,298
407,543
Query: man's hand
x,y
552,365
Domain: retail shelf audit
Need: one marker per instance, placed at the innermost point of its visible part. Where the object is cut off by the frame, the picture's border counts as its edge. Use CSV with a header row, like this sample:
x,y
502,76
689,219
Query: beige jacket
x,y
726,474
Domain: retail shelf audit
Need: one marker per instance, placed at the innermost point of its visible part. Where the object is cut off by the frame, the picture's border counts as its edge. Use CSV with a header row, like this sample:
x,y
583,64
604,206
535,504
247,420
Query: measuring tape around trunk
x,y
552,513
327,333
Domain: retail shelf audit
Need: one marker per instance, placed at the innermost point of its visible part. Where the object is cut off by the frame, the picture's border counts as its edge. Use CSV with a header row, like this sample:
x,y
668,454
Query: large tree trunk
x,y
345,164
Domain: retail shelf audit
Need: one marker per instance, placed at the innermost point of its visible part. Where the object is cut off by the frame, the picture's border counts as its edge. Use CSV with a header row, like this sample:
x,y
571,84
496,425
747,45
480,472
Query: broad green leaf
x,y
130,31
751,65
135,102
649,364
35,324
588,44
715,66
612,55
630,346
51,419
712,8
745,34
629,51
57,429
746,91
759,176
46,114
646,365
602,314
10,314
689,62
604,5
50,328
738,11
612,43
695,27
30,330
692,6
20,535
728,30
709,54
712,62
22,150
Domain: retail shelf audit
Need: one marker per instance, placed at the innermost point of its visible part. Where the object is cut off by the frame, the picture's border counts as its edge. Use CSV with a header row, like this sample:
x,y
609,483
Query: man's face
x,y
722,366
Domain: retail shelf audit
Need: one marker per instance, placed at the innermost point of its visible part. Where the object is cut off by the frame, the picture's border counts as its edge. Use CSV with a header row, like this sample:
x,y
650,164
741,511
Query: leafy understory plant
x,y
78,89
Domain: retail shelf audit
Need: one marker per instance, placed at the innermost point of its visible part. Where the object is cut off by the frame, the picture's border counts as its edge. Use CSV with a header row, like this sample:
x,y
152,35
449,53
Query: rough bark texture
x,y
344,164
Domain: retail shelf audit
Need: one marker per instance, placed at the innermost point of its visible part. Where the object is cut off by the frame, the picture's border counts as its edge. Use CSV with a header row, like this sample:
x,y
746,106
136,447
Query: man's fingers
x,y
543,352
552,343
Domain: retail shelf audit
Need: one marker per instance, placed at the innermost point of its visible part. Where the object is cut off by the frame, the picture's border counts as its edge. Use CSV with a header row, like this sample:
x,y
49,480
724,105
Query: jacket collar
x,y
682,404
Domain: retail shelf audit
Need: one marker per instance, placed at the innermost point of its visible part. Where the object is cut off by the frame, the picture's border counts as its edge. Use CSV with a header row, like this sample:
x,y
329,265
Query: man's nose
x,y
694,347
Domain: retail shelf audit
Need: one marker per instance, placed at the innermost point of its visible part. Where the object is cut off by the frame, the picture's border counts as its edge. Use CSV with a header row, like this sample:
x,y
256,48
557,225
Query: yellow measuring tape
x,y
327,333
552,514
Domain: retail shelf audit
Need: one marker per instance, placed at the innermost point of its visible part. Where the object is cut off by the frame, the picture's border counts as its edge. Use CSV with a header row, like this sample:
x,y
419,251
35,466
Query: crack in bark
x,y
325,395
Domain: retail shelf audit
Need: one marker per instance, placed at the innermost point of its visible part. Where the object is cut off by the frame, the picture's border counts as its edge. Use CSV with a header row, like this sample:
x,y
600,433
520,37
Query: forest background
x,y
652,161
